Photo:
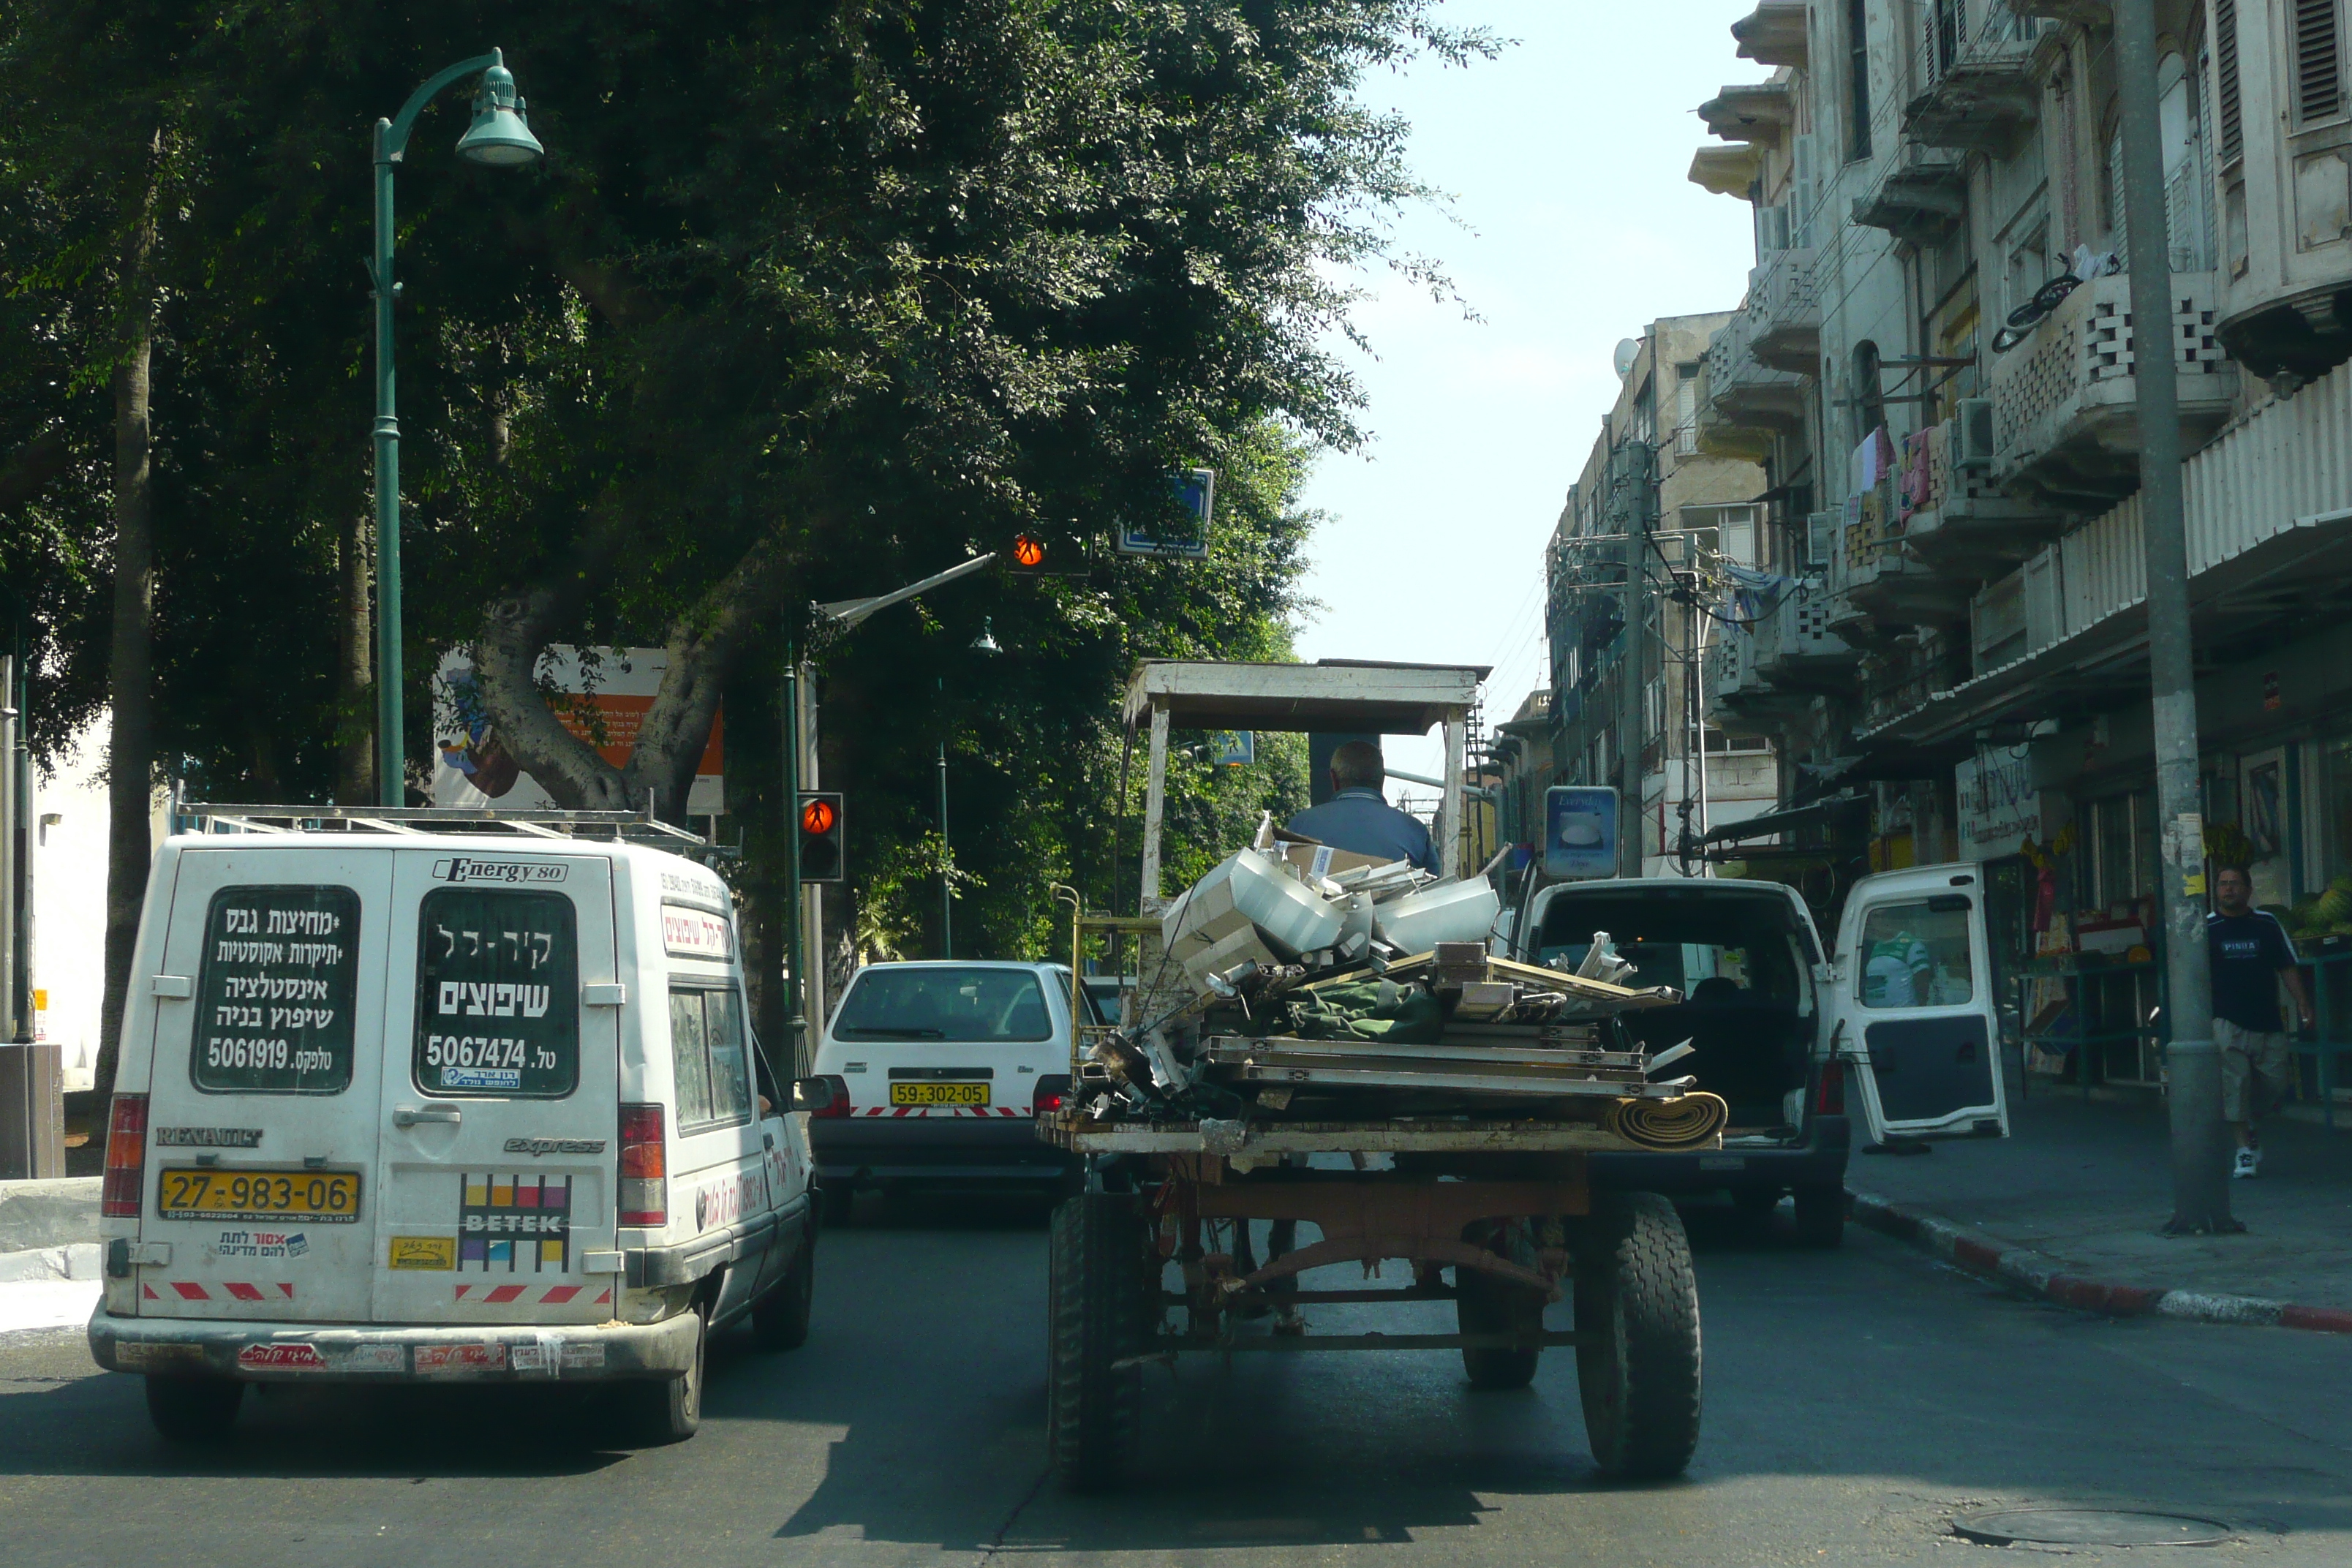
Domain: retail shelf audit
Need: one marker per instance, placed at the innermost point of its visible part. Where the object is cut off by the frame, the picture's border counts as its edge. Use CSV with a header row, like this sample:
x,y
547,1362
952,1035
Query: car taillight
x,y
126,1158
827,1095
1053,1093
645,1167
1829,1098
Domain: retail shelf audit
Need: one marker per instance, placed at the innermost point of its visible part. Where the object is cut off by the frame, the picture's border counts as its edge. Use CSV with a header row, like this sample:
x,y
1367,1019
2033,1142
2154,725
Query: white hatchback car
x,y
934,1074
399,1106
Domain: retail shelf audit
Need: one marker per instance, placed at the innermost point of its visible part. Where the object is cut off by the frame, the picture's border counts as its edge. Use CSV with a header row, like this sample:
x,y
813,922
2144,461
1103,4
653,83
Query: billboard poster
x,y
601,696
1579,831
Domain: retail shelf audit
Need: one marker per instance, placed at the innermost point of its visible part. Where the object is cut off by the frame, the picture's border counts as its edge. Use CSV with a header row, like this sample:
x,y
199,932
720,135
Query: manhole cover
x,y
2090,1527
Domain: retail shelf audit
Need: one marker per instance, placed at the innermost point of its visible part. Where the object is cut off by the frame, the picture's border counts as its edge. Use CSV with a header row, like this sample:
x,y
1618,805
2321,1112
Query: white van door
x,y
268,1038
1916,1024
500,1078
718,1166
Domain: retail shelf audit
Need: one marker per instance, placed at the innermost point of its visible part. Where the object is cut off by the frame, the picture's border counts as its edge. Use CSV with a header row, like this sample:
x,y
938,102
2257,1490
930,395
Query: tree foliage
x,y
810,298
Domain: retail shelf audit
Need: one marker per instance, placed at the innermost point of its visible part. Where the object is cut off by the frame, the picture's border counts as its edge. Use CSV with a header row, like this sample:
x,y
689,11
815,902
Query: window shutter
x,y
2225,85
2318,64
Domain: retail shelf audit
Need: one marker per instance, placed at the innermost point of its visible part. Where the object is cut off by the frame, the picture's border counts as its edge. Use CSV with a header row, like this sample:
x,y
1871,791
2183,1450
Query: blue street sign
x,y
1579,831
1196,489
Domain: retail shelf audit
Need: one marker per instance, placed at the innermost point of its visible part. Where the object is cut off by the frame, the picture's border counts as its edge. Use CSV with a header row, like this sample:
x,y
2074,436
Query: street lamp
x,y
499,138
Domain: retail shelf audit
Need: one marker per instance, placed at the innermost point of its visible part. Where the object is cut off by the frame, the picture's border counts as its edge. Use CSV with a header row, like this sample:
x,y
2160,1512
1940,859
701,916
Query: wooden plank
x,y
1394,698
1344,1138
1155,801
1456,823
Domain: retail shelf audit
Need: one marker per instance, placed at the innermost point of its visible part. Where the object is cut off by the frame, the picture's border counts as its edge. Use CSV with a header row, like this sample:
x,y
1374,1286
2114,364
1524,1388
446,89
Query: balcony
x,y
1795,647
1965,526
1877,587
2269,523
2065,428
1743,403
1759,113
1773,34
1976,59
1922,196
1787,313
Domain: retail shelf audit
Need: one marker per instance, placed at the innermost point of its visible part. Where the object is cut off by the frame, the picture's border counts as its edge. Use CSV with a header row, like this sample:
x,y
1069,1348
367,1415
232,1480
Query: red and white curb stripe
x,y
982,1111
2042,1275
553,1295
228,1290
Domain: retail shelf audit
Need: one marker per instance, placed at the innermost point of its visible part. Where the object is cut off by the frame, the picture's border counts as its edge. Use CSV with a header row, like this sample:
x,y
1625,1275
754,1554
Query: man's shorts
x,y
2248,1056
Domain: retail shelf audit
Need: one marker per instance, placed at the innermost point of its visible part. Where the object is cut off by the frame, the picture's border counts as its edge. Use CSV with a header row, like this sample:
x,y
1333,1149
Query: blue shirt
x,y
1360,822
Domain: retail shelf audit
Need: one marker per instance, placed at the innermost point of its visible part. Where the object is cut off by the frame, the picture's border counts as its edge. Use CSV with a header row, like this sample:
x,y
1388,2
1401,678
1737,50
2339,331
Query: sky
x,y
1573,223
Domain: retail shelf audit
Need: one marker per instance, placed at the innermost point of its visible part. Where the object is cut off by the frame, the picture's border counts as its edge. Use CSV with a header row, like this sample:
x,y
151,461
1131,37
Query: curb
x,y
2039,1274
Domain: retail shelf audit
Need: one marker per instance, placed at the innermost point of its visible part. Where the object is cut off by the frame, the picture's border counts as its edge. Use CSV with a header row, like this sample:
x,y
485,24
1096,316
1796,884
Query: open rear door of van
x,y
268,1013
499,1073
1917,1026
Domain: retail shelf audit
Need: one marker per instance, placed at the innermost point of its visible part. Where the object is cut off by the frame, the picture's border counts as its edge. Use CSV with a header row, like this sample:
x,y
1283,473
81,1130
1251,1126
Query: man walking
x,y
2251,955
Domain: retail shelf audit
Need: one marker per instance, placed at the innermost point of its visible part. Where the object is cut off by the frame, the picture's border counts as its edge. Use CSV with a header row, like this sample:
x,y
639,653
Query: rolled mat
x,y
1677,1123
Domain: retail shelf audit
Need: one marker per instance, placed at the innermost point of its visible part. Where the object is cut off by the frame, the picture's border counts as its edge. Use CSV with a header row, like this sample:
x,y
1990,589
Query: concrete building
x,y
1934,367
1647,494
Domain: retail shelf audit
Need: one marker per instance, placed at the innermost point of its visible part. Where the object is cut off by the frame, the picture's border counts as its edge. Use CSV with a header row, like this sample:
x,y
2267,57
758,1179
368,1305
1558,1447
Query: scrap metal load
x,y
1297,984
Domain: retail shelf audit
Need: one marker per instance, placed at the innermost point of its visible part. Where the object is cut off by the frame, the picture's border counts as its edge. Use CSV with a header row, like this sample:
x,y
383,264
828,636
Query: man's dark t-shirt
x,y
2248,951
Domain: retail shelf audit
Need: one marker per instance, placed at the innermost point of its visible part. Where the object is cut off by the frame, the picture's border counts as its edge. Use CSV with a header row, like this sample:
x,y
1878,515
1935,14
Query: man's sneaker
x,y
2249,1164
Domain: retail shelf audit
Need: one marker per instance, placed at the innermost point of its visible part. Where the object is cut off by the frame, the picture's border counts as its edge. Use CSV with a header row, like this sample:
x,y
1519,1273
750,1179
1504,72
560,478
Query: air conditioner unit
x,y
1973,447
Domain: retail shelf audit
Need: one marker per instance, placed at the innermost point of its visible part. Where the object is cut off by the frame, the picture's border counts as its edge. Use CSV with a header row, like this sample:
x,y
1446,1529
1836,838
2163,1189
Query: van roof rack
x,y
420,820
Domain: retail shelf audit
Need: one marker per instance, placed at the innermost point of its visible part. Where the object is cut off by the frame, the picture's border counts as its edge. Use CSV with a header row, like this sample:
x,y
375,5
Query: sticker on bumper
x,y
432,1359
422,1252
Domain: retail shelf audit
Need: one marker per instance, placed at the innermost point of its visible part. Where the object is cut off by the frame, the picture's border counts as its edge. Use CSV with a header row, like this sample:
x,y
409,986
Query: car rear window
x,y
275,990
498,994
944,1003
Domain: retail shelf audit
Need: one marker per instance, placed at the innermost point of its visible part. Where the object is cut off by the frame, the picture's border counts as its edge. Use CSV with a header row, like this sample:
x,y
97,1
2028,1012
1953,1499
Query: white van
x,y
396,1104
1897,1029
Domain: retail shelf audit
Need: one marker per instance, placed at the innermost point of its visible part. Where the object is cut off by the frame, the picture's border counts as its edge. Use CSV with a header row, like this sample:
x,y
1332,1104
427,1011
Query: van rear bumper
x,y
1819,1161
853,1149
313,1352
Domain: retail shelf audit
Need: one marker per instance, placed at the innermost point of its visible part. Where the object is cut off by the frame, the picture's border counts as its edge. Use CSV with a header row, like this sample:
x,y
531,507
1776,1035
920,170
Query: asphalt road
x,y
1854,1402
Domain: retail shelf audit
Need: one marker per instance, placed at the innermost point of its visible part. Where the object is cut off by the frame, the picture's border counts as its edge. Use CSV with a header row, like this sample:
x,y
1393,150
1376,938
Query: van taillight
x,y
827,1095
1829,1098
645,1167
126,1158
1053,1093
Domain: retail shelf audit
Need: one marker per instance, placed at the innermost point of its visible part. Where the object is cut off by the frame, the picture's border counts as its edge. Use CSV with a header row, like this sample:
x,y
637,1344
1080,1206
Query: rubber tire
x,y
1820,1216
1638,1373
1485,1305
780,1320
194,1409
652,1414
1099,1288
835,1203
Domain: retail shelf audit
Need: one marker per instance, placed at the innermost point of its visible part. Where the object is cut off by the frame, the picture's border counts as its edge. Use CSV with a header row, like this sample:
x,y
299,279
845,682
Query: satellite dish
x,y
1628,352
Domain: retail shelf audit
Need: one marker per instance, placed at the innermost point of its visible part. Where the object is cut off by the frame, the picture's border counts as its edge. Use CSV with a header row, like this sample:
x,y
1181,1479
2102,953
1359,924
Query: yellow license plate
x,y
318,1198
938,1094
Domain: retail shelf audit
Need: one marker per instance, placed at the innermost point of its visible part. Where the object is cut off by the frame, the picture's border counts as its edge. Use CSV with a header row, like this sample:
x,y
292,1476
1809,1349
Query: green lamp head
x,y
500,137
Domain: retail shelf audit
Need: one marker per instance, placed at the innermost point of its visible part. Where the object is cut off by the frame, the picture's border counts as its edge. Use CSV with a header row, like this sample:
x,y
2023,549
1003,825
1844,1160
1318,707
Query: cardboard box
x,y
1322,860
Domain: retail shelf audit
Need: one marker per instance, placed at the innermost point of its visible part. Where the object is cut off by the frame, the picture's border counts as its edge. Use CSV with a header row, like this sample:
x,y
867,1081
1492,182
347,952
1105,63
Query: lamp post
x,y
499,138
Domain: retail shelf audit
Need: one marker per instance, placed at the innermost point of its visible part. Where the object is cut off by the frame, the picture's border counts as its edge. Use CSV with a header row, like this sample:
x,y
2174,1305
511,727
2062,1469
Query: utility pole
x,y
2200,1185
947,857
795,1011
1632,485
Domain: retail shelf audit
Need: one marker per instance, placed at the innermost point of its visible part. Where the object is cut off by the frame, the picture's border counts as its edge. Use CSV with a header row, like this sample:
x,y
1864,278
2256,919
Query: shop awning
x,y
1773,822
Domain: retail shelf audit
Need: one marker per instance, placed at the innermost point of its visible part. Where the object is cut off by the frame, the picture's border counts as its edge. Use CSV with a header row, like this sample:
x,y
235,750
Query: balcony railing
x,y
1786,311
1975,91
1964,525
1795,644
2065,420
2268,514
1743,402
1922,196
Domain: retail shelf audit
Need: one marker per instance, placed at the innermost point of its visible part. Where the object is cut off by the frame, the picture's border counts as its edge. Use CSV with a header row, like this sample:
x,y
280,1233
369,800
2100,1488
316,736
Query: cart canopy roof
x,y
1330,694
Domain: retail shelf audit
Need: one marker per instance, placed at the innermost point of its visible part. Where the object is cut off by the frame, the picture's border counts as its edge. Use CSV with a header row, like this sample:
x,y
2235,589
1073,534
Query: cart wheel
x,y
1099,1289
1485,1305
1821,1214
192,1409
1639,1369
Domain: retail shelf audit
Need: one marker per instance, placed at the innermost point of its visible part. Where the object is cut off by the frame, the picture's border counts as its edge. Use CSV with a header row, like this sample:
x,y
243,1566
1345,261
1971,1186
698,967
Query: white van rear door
x,y
1917,1021
269,1032
500,1080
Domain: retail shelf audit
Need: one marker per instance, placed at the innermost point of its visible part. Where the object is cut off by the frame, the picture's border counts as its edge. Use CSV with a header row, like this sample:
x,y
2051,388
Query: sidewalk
x,y
2070,1204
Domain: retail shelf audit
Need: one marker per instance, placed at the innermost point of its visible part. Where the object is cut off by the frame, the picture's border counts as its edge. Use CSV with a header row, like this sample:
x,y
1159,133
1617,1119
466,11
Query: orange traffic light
x,y
1028,550
817,817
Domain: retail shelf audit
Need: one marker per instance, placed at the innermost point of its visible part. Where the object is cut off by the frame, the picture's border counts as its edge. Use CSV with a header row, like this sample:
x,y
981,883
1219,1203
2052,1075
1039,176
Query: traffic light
x,y
822,858
1028,551
1045,551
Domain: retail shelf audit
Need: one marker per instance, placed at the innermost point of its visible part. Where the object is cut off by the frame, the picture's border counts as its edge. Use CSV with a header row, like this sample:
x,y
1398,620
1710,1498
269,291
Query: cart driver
x,y
1358,819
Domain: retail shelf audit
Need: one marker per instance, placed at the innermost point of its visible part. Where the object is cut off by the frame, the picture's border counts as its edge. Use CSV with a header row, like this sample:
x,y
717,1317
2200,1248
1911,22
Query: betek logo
x,y
463,869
